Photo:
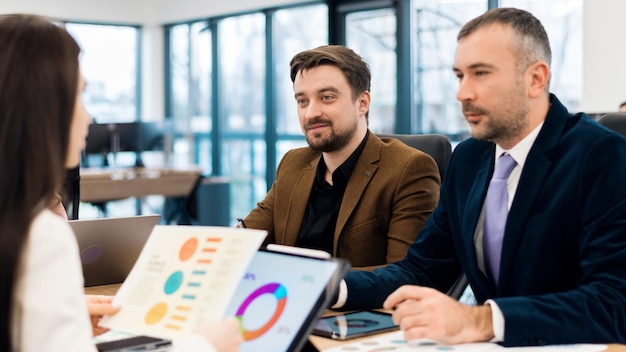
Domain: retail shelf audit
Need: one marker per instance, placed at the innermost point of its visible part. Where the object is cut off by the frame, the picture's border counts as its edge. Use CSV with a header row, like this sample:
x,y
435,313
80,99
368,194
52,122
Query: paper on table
x,y
561,348
183,278
395,342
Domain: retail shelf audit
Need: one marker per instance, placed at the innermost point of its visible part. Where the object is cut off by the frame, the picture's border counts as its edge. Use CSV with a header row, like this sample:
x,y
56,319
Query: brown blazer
x,y
390,194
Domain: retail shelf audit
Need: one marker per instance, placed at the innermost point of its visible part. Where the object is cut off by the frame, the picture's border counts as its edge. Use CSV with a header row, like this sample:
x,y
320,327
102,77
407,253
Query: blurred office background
x,y
214,74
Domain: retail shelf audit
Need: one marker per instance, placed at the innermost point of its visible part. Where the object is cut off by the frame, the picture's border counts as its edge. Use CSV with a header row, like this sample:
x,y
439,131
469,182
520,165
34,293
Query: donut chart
x,y
280,293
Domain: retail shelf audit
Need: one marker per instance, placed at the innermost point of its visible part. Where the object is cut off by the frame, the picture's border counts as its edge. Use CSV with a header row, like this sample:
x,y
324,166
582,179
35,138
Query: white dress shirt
x,y
519,153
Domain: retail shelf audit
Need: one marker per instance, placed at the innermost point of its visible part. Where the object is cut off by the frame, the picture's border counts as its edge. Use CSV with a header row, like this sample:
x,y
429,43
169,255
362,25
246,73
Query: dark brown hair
x,y
354,68
38,88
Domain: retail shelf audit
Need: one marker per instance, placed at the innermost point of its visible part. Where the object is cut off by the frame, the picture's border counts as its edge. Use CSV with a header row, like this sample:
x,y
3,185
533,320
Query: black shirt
x,y
320,218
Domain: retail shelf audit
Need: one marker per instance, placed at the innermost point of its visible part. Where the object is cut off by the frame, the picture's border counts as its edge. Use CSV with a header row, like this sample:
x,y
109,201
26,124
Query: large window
x,y
109,64
562,20
231,97
291,38
372,34
424,76
434,29
189,101
241,57
222,88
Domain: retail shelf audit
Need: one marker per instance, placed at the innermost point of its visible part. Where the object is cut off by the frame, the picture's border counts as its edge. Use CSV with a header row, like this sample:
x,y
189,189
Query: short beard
x,y
503,125
331,142
498,129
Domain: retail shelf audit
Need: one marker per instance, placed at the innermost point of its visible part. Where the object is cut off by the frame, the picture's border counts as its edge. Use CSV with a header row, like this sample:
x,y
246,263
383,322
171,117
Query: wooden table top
x,y
319,342
104,184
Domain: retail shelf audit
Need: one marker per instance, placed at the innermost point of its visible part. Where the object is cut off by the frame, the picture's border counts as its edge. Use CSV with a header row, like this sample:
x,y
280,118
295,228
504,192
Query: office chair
x,y
439,148
456,291
71,192
615,121
436,145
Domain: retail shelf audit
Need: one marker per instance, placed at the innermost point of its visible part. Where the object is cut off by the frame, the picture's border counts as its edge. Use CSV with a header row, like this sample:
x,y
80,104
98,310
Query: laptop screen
x,y
280,298
109,247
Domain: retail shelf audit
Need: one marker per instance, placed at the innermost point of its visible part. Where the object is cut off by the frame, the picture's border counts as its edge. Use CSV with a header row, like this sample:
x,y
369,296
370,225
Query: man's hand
x,y
99,306
423,312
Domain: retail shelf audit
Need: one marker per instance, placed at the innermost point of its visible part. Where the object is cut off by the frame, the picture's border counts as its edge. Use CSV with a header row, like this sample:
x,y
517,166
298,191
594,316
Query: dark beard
x,y
333,143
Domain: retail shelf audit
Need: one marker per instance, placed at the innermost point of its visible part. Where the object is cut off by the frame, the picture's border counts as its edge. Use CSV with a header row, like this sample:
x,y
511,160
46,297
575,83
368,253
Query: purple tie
x,y
496,211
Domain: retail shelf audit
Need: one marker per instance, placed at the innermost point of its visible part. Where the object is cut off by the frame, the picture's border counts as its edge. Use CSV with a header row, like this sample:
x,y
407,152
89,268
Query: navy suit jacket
x,y
563,270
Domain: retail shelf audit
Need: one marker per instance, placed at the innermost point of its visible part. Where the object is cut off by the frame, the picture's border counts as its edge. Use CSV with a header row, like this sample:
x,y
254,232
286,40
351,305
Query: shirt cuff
x,y
497,321
342,297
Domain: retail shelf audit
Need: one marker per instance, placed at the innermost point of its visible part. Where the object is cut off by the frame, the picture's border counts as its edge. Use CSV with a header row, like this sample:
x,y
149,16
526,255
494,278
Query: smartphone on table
x,y
135,343
354,324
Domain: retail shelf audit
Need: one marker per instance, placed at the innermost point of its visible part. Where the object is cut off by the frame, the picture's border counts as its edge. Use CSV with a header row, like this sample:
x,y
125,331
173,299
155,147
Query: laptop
x,y
109,247
280,298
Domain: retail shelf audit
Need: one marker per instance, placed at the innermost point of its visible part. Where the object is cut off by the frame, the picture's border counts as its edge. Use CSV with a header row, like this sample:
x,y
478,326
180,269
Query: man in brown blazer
x,y
349,193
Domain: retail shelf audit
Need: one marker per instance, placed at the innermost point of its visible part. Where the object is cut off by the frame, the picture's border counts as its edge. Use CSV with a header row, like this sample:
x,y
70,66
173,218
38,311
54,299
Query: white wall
x,y
168,11
128,11
135,11
604,55
604,47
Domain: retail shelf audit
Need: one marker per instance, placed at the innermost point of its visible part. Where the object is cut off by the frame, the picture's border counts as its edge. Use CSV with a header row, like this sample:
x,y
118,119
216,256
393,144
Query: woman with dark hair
x,y
43,125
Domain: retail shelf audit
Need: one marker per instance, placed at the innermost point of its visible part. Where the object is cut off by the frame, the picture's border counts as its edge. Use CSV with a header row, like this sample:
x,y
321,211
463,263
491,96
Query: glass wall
x,y
372,34
434,29
241,99
237,143
435,26
231,97
189,115
108,62
562,20
291,38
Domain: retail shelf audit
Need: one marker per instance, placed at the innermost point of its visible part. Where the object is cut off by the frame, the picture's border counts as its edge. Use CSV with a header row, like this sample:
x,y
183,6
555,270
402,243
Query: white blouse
x,y
49,312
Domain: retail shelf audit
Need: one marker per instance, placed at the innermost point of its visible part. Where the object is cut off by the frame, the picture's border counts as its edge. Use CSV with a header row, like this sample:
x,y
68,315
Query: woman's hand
x,y
99,306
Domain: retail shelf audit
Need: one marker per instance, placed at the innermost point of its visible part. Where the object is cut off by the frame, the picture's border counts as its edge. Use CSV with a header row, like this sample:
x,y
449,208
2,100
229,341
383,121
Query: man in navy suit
x,y
562,274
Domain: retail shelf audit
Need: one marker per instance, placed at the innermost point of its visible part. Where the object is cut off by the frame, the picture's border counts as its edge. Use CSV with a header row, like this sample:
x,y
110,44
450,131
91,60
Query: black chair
x,y
436,145
439,148
71,192
456,291
615,121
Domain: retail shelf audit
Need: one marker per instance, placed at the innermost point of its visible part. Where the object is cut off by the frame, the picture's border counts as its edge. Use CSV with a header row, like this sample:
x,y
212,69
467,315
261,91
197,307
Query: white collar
x,y
520,151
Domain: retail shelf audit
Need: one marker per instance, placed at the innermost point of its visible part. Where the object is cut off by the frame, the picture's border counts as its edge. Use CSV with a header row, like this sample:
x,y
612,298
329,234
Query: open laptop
x,y
280,298
109,247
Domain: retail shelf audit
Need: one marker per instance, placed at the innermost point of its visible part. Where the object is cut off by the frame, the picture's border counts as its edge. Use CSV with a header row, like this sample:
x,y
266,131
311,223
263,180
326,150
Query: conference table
x,y
320,343
107,184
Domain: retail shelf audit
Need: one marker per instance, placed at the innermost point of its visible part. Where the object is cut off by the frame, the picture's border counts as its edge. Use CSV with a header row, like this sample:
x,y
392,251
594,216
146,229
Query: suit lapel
x,y
536,169
532,177
470,221
298,202
361,176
